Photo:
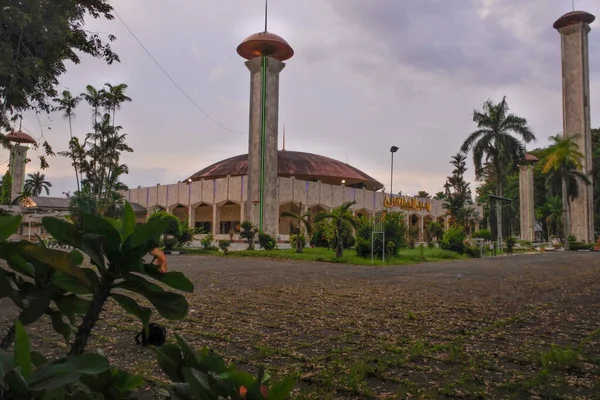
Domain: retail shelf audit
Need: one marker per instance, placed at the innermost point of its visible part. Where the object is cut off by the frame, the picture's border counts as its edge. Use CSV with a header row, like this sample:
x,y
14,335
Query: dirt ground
x,y
524,326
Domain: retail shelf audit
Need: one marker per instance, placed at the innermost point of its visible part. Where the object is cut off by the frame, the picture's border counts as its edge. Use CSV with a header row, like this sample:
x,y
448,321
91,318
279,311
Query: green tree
x,y
494,143
36,183
563,166
38,38
6,188
173,226
303,221
67,104
423,194
340,216
457,191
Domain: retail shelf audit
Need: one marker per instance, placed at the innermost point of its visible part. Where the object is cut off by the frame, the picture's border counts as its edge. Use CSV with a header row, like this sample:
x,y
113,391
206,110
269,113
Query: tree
x,y
341,217
173,228
67,103
493,141
36,183
6,188
37,39
563,166
303,220
423,194
457,193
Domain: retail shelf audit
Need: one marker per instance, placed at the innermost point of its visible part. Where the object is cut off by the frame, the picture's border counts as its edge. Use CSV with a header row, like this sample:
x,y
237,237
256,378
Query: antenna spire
x,y
283,137
266,14
573,2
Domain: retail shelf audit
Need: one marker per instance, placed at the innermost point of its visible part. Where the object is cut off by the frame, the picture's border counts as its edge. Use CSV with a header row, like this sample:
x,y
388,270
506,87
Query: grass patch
x,y
405,256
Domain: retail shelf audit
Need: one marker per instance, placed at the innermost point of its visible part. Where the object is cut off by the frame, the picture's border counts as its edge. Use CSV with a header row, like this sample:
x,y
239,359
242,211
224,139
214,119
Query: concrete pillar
x,y
526,201
270,200
421,227
574,28
215,220
18,155
191,217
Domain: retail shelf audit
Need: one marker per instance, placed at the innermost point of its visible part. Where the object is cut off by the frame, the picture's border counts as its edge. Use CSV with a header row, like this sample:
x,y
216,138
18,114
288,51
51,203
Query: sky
x,y
366,75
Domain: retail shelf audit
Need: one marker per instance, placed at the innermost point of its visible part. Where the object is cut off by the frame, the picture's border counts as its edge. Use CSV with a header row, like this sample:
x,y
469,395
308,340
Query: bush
x,y
266,241
295,238
574,246
186,233
395,232
224,245
248,232
207,241
453,239
510,244
473,251
173,228
485,234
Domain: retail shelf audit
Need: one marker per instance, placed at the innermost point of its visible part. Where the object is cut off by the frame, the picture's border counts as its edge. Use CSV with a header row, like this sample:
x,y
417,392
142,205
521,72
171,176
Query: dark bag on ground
x,y
156,335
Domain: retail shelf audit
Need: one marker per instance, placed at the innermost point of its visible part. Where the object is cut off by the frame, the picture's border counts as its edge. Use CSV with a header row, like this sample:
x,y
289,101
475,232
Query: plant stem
x,y
8,338
92,316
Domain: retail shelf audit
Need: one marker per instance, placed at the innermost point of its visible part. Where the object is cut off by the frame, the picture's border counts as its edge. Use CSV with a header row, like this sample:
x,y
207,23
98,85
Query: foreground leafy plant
x,y
27,374
116,249
205,376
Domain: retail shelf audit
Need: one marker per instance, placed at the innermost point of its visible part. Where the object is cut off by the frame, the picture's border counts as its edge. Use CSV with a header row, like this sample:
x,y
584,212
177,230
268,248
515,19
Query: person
x,y
160,260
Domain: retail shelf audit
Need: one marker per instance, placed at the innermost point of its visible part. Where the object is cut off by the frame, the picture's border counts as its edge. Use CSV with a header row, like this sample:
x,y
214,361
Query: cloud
x,y
365,75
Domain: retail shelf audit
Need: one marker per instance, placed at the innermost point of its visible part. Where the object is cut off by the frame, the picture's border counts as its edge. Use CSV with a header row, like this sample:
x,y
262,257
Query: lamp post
x,y
393,149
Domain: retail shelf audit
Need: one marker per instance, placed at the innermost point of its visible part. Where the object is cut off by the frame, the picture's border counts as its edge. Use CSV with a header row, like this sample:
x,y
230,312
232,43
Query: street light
x,y
393,149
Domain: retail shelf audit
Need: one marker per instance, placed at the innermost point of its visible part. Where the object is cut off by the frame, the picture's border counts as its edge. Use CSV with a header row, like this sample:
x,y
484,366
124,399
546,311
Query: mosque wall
x,y
217,204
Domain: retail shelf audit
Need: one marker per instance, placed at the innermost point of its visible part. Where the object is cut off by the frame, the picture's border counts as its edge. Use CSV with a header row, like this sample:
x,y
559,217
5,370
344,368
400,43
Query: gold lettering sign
x,y
406,203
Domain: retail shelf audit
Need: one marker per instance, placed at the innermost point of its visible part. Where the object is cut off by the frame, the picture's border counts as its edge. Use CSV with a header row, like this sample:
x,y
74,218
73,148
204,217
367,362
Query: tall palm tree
x,y
563,166
36,183
493,141
67,103
303,220
341,217
114,97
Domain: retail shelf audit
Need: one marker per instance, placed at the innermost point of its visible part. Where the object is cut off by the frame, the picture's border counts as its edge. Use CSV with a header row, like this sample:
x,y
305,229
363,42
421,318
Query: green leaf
x,y
281,390
91,244
143,234
90,363
36,307
169,361
58,260
72,305
128,221
126,381
199,383
55,381
63,231
20,265
59,325
98,225
115,223
69,284
132,307
9,225
171,306
7,289
22,350
78,258
37,358
176,280
189,356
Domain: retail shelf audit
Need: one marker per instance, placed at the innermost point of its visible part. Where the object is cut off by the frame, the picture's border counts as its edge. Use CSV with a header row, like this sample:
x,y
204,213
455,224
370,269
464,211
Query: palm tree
x,y
68,104
341,217
302,220
493,141
114,97
563,166
36,183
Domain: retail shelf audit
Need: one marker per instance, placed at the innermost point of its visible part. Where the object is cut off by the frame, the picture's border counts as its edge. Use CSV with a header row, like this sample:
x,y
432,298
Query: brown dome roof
x,y
20,137
574,17
305,166
266,43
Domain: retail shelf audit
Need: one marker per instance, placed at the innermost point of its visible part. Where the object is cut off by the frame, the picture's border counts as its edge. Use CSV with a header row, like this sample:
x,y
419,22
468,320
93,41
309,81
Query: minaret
x,y
18,159
574,28
526,199
265,53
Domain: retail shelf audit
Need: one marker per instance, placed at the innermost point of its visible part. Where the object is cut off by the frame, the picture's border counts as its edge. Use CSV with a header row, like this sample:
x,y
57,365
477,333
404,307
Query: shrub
x,y
173,228
473,251
248,232
295,238
266,241
434,230
453,239
574,246
186,233
395,232
224,245
510,244
485,234
207,241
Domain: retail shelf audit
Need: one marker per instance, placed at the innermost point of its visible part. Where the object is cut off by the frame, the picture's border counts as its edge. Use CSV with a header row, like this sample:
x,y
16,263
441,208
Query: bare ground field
x,y
523,327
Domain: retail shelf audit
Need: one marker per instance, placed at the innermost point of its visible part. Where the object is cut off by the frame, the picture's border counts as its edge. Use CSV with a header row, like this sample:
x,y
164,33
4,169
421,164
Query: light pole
x,y
393,149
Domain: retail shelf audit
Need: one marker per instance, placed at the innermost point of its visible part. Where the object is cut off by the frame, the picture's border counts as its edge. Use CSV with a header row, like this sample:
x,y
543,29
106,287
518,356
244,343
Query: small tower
x,y
526,198
18,158
574,28
265,53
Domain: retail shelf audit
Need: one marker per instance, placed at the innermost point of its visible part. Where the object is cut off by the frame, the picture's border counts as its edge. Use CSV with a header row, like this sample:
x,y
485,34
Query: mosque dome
x,y
266,43
20,137
574,17
304,166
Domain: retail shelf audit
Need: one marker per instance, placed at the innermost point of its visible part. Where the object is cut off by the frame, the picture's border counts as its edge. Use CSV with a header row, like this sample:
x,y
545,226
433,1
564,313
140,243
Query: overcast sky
x,y
366,74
